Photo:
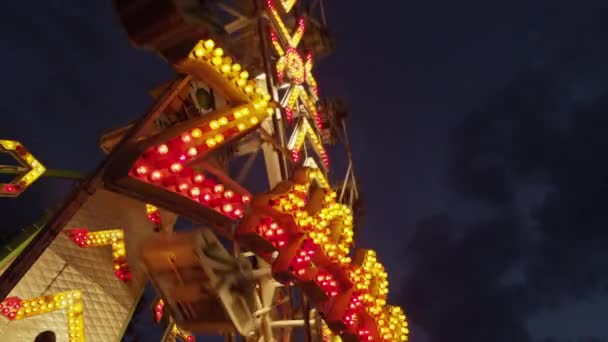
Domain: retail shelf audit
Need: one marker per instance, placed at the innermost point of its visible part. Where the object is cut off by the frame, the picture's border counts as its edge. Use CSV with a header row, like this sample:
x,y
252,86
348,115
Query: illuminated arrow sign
x,y
115,238
165,169
28,173
14,308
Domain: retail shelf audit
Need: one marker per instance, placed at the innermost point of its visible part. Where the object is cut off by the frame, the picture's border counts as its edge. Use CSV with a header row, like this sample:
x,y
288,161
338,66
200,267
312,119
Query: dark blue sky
x,y
426,83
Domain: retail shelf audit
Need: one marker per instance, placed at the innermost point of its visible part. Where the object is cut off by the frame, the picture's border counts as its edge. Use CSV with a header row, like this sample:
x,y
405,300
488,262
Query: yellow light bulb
x,y
209,44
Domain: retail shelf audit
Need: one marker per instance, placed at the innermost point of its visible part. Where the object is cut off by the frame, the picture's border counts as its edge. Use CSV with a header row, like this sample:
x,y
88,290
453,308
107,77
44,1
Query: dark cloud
x,y
482,281
454,292
571,253
509,137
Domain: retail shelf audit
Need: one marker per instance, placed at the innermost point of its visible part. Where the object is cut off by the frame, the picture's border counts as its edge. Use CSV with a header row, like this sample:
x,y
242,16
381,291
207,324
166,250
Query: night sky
x,y
478,130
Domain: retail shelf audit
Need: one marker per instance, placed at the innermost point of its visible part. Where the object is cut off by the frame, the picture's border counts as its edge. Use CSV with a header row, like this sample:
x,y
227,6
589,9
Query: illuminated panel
x,y
302,131
315,255
115,238
165,168
27,160
14,308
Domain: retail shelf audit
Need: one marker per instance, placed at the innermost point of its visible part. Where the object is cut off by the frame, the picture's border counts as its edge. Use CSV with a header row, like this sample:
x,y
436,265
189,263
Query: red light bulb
x,y
162,149
141,170
176,167
155,176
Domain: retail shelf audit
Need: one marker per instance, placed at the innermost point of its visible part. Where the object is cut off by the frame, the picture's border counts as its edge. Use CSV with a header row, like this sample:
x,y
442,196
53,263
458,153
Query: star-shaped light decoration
x,y
292,69
32,168
296,72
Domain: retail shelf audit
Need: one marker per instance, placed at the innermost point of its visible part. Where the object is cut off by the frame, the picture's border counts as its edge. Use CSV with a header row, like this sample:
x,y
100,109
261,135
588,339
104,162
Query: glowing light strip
x,y
296,142
310,79
312,109
276,43
159,310
25,158
316,173
290,101
153,214
292,40
14,308
115,238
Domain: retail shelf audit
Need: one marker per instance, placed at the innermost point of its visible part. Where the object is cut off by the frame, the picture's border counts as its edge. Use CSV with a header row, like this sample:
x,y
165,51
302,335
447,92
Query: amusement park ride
x,y
257,267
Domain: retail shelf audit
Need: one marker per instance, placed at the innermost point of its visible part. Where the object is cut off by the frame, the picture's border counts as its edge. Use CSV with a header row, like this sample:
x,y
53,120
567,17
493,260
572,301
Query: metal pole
x,y
349,152
292,323
79,196
168,335
278,120
307,319
323,14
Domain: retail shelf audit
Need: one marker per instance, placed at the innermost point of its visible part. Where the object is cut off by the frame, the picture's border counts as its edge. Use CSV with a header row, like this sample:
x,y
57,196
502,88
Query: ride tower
x,y
264,259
